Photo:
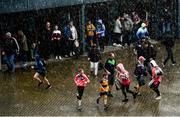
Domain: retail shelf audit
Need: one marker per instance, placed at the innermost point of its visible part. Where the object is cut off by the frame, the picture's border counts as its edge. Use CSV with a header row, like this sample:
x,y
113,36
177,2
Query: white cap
x,y
153,63
143,25
100,21
8,34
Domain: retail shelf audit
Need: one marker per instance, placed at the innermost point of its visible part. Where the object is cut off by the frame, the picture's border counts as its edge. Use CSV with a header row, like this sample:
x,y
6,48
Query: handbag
x,y
76,43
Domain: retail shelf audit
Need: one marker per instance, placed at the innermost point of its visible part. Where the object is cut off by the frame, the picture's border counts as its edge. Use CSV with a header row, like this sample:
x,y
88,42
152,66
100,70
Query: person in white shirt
x,y
74,36
117,32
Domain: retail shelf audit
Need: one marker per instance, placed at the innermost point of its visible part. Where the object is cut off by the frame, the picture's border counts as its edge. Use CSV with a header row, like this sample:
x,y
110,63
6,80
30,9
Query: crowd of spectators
x,y
56,36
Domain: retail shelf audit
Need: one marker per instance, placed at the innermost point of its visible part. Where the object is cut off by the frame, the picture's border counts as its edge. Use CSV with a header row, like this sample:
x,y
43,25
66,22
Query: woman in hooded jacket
x,y
124,79
157,74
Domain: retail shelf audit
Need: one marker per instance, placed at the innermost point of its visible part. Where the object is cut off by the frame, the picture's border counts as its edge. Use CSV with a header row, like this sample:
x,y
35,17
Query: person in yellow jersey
x,y
90,29
103,90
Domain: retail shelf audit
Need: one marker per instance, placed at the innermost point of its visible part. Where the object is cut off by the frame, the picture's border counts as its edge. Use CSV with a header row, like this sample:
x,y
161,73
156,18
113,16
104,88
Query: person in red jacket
x,y
81,80
124,79
156,78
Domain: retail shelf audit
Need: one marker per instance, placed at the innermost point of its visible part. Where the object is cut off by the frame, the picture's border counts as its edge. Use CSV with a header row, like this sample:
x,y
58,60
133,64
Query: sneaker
x,y
163,65
56,57
119,45
77,95
40,83
174,63
60,57
125,100
49,86
114,44
97,101
158,98
73,53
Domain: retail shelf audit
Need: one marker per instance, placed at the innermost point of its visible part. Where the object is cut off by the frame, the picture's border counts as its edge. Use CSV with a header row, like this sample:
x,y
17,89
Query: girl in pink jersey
x,y
81,81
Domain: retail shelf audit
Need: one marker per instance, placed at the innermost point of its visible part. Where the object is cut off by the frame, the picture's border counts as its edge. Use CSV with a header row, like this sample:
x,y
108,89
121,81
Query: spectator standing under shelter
x,y
22,40
117,32
45,47
9,50
128,27
57,43
100,34
90,32
73,37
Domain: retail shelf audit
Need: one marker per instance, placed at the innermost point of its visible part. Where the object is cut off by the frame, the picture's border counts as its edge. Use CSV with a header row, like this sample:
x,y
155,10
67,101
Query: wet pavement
x,y
19,94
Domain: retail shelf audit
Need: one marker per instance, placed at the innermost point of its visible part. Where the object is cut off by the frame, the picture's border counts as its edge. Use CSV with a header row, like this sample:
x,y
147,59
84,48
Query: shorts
x,y
153,84
140,80
42,73
103,93
111,79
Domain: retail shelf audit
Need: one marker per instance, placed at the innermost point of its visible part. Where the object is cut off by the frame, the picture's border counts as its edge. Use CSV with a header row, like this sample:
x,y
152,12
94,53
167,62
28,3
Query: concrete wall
x,y
9,6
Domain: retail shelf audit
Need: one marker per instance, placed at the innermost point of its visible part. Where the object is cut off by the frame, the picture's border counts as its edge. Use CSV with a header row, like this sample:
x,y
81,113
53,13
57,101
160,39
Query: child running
x,y
103,90
41,71
140,72
81,81
156,79
123,77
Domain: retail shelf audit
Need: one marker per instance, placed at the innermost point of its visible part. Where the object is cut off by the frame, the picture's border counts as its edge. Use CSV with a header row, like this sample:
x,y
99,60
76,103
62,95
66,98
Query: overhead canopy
x,y
9,6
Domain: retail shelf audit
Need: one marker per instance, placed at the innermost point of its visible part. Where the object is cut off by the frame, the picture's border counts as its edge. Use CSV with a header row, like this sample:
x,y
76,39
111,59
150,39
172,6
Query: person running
x,y
41,71
81,80
149,53
94,57
156,79
110,66
124,79
140,72
169,44
103,90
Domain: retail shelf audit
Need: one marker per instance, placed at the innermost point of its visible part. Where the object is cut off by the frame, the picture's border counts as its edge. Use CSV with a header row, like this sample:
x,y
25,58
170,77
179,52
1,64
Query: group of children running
x,y
120,73
123,78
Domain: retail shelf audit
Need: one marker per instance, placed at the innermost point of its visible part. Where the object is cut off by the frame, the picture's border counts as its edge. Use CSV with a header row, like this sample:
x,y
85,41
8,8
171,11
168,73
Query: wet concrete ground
x,y
19,94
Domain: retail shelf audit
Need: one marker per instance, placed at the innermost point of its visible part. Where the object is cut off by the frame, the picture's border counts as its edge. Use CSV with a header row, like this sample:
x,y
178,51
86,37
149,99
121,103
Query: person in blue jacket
x,y
41,71
100,34
142,32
